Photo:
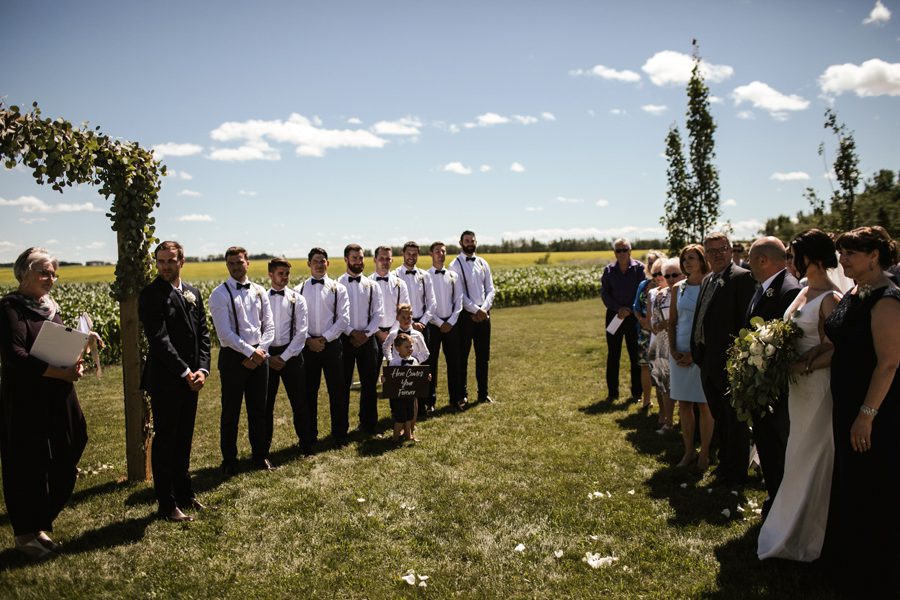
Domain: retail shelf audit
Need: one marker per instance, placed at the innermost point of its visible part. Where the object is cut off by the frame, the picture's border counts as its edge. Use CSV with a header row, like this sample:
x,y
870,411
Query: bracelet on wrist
x,y
868,410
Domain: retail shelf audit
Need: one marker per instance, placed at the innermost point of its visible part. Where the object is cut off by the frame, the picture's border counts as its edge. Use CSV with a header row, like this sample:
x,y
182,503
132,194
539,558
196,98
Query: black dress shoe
x,y
265,465
229,468
176,516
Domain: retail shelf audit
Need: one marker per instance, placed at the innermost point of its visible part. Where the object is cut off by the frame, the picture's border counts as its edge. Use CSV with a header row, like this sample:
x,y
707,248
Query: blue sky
x,y
294,124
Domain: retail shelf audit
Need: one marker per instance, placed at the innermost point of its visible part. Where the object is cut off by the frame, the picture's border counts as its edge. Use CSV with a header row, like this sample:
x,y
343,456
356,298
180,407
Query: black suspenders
x,y
462,270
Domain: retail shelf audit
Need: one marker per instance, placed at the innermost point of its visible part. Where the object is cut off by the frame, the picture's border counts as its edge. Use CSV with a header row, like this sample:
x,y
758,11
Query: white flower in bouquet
x,y
756,349
770,350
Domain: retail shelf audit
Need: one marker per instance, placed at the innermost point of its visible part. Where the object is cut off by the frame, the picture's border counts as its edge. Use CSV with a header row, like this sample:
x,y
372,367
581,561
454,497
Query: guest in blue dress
x,y
684,379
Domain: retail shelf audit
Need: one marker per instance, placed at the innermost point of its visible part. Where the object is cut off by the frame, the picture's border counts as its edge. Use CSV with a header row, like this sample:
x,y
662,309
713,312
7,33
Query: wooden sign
x,y
410,381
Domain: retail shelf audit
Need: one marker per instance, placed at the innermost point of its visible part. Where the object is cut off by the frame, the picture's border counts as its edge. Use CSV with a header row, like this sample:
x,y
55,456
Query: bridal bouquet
x,y
759,365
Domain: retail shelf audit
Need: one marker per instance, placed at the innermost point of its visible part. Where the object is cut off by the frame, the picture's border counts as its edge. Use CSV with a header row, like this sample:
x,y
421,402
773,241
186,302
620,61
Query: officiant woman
x,y
42,428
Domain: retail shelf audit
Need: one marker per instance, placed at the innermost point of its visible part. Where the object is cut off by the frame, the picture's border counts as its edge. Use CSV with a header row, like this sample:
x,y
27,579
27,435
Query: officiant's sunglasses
x,y
672,275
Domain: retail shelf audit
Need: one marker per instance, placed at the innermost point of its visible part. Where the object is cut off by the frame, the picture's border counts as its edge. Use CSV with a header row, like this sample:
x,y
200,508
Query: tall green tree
x,y
692,199
846,171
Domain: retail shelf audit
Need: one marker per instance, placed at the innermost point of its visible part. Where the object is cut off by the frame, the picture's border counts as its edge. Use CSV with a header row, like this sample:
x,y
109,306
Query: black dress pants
x,y
478,334
174,413
450,343
293,377
331,361
240,383
365,358
730,435
627,331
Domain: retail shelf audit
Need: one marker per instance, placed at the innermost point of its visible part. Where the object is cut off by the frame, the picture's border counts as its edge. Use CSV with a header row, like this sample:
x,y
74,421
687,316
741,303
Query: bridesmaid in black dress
x,y
864,519
42,428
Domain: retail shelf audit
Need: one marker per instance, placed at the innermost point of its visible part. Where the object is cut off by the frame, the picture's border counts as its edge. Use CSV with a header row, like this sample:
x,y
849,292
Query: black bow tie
x,y
410,272
406,361
354,279
243,286
276,292
379,278
439,271
401,331
472,258
318,281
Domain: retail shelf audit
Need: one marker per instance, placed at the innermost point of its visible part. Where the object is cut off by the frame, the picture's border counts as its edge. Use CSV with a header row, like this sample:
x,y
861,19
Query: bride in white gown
x,y
795,526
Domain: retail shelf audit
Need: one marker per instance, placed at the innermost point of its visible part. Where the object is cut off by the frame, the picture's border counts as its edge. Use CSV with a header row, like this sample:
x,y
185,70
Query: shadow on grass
x,y
602,407
743,575
78,496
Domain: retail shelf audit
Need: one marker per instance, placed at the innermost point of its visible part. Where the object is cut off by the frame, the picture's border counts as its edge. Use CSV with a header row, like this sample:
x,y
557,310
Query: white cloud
x,y
309,138
190,193
91,246
566,200
606,73
534,208
488,119
548,116
715,100
194,218
746,230
31,220
31,204
404,126
746,115
469,125
517,167
160,151
791,176
454,129
247,193
617,111
354,121
252,150
457,167
555,233
654,109
879,15
485,168
602,203
674,68
51,242
591,112
872,78
762,96
525,119
730,202
183,175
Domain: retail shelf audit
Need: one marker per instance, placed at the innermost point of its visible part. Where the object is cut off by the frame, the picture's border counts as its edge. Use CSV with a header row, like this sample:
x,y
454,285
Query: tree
x,y
62,155
692,205
846,171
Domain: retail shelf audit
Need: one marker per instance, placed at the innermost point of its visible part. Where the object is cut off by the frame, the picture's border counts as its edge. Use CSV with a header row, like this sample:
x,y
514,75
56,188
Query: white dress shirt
x,y
420,348
288,310
242,318
328,307
397,361
421,292
393,293
448,295
366,304
478,285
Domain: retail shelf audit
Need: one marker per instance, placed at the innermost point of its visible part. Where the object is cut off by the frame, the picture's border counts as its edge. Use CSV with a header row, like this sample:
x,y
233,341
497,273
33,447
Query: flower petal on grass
x,y
520,548
558,553
631,492
595,561
409,578
726,513
683,485
360,500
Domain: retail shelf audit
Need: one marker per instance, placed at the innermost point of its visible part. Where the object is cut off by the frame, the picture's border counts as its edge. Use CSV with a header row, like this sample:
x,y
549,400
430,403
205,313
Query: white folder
x,y
58,345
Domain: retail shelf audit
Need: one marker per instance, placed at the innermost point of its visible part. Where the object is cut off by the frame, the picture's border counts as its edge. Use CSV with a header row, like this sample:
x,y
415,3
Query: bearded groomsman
x,y
442,330
289,314
418,283
366,312
393,293
242,317
475,326
174,321
329,317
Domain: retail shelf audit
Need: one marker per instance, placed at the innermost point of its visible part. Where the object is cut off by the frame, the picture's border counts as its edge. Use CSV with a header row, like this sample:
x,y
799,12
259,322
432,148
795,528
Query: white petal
x,y
558,554
410,578
726,513
757,511
683,485
422,584
360,500
423,577
631,492
520,548
734,492
709,490
740,508
595,537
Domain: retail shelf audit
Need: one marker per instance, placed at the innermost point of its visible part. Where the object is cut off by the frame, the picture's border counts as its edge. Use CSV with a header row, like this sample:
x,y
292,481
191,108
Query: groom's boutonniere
x,y
419,275
770,292
292,299
720,281
189,297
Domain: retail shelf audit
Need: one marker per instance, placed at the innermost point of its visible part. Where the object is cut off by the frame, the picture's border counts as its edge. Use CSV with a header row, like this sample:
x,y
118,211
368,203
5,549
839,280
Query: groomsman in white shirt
x,y
242,317
475,325
393,293
442,330
286,353
359,342
418,283
329,317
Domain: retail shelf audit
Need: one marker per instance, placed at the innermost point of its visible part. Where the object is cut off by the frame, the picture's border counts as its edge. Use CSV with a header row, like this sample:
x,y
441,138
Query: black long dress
x,y
42,428
864,519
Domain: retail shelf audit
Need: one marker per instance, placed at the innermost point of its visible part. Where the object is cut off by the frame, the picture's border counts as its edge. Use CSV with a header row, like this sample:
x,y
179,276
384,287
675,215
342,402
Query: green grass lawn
x,y
348,522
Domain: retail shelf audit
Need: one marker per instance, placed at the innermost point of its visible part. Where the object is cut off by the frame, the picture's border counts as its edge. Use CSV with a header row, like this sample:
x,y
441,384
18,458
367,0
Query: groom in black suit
x,y
174,321
775,291
720,315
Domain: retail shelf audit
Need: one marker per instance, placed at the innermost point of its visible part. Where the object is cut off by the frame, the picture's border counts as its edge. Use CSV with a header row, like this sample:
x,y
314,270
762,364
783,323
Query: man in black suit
x,y
720,315
775,291
174,321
